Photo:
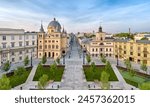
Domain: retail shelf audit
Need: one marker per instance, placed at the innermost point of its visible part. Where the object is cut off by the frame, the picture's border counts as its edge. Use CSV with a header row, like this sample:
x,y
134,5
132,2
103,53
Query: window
x,y
4,45
13,59
110,49
57,46
131,53
93,49
49,46
145,55
20,44
33,42
32,36
27,51
27,37
12,53
49,41
20,52
33,49
101,49
12,37
45,46
53,46
96,49
12,44
131,47
124,52
4,37
27,43
139,48
110,55
20,37
53,41
20,58
45,41
40,47
139,54
106,49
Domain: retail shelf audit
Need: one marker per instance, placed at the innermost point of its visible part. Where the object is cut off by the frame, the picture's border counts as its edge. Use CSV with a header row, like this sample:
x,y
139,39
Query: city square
x,y
57,58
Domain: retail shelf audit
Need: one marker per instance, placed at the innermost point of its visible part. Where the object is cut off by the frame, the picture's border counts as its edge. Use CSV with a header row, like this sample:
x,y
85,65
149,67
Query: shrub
x,y
6,66
88,58
42,82
26,61
44,59
4,83
103,59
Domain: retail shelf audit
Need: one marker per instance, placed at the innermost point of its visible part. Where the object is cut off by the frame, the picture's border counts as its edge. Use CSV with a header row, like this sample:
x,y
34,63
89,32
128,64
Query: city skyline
x,y
77,16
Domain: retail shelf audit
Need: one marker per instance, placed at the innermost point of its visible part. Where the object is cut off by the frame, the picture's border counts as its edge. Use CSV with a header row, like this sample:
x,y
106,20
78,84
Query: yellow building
x,y
136,51
100,45
53,43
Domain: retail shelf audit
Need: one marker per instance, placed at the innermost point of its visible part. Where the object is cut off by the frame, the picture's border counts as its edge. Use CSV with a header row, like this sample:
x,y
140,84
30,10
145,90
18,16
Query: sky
x,y
77,15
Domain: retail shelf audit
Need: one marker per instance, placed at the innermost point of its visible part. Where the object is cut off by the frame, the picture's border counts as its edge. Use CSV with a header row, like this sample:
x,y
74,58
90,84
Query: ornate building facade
x,y
53,43
100,45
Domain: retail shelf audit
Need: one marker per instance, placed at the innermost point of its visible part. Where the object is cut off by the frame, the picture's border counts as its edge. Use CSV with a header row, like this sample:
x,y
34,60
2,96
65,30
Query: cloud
x,y
77,15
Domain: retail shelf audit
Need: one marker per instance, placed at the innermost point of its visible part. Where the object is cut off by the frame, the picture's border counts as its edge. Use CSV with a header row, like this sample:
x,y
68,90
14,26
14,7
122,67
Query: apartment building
x,y
16,44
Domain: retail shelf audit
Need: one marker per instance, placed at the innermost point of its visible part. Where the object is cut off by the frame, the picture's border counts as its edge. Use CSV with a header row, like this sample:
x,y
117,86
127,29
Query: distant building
x,y
16,44
139,36
53,42
137,51
99,45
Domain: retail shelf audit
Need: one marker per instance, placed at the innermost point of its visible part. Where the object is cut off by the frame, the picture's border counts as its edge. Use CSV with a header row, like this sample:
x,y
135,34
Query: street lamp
x,y
31,58
84,51
63,54
117,57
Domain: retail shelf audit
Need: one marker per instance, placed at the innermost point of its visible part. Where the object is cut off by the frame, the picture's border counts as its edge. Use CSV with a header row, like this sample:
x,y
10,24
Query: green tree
x,y
127,35
128,64
103,58
144,67
105,80
20,71
93,70
129,67
6,66
26,61
5,83
44,59
88,58
92,67
53,69
58,60
144,38
43,81
145,86
108,67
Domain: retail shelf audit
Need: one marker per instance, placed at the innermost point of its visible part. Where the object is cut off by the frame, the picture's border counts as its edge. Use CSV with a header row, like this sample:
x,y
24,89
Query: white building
x,y
16,44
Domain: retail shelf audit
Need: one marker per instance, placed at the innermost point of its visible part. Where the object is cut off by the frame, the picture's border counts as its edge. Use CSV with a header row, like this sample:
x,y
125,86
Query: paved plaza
x,y
73,78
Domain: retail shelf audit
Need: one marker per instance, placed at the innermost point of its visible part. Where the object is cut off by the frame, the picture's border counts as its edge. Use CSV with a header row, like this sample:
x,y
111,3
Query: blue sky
x,y
77,15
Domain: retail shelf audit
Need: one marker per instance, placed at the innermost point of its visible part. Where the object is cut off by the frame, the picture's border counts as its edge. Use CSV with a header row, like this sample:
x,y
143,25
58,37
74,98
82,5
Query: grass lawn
x,y
133,80
16,80
91,76
46,70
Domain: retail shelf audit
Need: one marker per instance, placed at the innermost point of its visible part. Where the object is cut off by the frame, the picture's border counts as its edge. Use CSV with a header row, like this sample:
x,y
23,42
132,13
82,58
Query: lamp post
x,y
84,51
31,58
117,57
63,53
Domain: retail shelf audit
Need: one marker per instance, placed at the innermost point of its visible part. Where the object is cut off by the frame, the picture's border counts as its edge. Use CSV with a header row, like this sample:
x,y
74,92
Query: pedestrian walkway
x,y
31,75
73,78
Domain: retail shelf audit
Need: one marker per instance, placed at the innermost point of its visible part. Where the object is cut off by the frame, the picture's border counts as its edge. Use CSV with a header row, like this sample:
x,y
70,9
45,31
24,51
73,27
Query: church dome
x,y
55,24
